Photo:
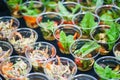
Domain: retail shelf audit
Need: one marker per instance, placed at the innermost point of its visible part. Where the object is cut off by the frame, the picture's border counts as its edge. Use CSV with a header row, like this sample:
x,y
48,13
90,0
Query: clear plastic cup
x,y
65,36
30,10
107,68
60,68
5,50
15,68
107,13
38,53
84,51
116,49
7,25
98,34
77,20
37,76
71,8
83,77
48,22
21,38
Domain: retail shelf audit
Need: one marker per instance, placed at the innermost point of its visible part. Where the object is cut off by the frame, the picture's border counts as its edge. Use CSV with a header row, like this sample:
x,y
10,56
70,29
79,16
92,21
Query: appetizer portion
x,y
86,21
5,50
65,36
60,68
84,51
21,38
15,67
30,10
108,68
38,53
7,25
106,35
48,22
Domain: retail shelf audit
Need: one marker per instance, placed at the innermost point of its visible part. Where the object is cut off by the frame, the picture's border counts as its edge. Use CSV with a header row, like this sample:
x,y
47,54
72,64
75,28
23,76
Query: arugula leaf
x,y
87,22
106,16
106,72
66,40
62,9
75,9
112,33
49,25
65,12
87,48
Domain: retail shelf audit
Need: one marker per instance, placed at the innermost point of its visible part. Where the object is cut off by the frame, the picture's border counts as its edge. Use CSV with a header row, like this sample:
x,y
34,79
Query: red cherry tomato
x,y
78,62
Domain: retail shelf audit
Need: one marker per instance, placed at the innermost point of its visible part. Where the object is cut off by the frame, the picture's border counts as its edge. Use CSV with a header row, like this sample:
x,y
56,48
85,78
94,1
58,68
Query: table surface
x,y
4,11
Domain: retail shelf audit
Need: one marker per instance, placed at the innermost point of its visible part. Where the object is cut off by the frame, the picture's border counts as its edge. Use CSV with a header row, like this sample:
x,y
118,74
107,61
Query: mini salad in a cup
x,y
7,25
21,38
48,22
65,36
86,21
30,10
60,68
84,51
107,68
38,53
15,68
106,35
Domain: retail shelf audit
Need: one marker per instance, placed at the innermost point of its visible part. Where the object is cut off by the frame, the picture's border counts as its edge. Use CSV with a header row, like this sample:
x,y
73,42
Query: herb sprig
x,y
87,48
107,72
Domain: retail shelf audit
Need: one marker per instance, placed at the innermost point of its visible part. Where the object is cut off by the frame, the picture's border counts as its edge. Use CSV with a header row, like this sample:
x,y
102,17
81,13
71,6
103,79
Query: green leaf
x,y
49,25
112,33
66,40
74,10
87,22
106,16
87,48
62,9
106,72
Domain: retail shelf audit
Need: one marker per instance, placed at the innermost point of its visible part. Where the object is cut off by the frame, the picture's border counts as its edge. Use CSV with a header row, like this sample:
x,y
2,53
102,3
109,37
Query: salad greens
x,y
87,48
66,40
109,15
88,21
112,33
49,25
13,2
107,72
